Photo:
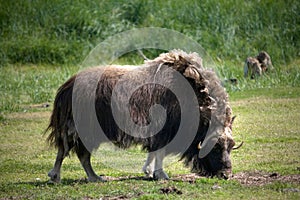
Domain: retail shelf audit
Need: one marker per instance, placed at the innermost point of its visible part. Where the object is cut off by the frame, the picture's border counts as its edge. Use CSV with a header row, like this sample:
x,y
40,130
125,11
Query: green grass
x,y
271,129
31,84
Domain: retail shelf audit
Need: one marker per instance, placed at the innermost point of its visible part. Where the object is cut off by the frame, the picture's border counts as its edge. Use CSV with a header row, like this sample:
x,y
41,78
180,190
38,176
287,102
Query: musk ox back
x,y
152,98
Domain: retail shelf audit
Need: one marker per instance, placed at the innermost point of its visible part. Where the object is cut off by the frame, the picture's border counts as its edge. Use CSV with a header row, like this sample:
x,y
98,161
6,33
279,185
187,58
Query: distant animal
x,y
209,94
256,66
252,67
264,60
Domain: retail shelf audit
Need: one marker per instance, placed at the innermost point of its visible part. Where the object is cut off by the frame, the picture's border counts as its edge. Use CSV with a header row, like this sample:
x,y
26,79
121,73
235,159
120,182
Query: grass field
x,y
266,167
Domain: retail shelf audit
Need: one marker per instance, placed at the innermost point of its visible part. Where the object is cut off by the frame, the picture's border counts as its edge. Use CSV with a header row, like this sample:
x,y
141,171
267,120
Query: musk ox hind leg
x,y
54,174
62,152
85,159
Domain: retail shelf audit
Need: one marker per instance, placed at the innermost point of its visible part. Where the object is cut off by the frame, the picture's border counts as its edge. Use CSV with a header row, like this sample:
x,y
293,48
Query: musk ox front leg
x,y
85,159
148,167
153,166
159,173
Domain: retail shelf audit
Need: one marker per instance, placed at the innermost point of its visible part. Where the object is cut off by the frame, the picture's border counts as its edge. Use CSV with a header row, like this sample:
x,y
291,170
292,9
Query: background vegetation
x,y
60,32
43,42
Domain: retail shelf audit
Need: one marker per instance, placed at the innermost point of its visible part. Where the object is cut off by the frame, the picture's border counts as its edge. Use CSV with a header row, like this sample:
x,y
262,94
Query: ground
x,y
267,166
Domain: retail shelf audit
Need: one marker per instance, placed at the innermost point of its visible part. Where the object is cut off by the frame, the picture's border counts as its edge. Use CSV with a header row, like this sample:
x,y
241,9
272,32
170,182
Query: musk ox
x,y
265,61
258,65
208,98
252,67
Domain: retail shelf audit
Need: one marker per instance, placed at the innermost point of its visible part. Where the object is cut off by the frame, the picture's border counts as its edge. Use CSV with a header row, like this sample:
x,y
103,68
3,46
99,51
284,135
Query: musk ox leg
x,y
54,174
158,167
148,167
85,159
246,69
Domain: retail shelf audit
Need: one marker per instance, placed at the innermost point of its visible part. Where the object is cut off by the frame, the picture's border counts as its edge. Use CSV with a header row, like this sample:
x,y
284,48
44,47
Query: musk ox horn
x,y
199,146
232,120
237,147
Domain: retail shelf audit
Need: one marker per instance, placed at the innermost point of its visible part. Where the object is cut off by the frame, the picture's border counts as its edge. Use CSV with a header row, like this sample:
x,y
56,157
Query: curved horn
x,y
235,148
199,146
231,122
232,119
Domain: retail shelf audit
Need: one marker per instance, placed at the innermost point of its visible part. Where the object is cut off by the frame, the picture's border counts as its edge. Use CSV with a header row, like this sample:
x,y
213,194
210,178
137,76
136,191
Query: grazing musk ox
x,y
265,60
209,94
258,65
252,67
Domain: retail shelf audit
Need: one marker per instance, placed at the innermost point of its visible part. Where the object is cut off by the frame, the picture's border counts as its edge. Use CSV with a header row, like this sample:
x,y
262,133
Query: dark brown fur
x,y
265,61
205,84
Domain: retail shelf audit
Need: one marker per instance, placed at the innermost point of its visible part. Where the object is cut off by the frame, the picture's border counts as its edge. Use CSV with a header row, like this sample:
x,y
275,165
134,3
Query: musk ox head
x,y
265,60
217,162
252,67
209,157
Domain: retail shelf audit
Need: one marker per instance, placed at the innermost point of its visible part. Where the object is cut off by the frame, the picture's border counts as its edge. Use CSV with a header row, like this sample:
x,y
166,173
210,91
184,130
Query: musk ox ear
x,y
192,72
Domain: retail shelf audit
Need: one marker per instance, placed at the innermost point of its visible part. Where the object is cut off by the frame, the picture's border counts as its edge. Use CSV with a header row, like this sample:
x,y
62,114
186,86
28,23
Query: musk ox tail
x,y
61,117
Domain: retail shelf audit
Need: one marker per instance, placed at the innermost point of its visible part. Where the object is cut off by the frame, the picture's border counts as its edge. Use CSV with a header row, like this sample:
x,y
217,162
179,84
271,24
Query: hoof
x,y
54,177
148,172
160,175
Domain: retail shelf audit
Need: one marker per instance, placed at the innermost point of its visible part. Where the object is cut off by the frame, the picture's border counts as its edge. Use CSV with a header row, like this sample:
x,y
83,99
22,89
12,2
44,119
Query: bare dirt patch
x,y
169,190
29,115
256,178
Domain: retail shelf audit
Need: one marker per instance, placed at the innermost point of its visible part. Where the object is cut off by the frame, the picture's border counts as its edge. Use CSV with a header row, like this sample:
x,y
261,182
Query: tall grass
x,y
60,32
281,76
21,87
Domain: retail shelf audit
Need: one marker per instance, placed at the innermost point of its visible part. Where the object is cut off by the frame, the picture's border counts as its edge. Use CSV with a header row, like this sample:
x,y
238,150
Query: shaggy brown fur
x,y
252,67
265,60
258,65
211,97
